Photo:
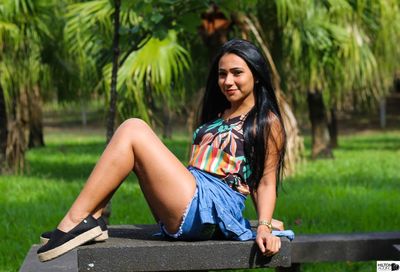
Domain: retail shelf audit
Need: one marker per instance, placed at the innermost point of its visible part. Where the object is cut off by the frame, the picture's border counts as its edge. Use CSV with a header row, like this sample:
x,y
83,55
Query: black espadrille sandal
x,y
45,237
61,242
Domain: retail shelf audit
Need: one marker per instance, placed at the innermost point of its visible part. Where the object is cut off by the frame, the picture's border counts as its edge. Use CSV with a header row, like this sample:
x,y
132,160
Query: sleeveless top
x,y
218,148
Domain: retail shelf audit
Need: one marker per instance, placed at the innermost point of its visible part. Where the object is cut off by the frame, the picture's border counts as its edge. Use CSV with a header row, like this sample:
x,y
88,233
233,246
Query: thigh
x,y
166,183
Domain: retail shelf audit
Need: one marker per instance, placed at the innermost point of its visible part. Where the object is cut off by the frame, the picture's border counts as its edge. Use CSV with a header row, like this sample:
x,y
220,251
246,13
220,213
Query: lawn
x,y
358,191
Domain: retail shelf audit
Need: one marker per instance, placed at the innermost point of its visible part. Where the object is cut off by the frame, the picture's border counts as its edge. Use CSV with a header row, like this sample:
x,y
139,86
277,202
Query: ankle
x,y
70,221
97,214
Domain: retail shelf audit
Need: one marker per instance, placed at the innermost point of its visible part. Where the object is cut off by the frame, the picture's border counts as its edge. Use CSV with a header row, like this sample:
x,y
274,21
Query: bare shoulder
x,y
276,133
275,124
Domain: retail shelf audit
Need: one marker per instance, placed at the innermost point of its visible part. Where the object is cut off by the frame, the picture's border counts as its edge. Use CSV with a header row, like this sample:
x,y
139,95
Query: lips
x,y
230,91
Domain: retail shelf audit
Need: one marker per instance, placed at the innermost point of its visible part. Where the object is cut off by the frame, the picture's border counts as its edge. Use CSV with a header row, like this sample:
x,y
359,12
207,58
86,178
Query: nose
x,y
229,79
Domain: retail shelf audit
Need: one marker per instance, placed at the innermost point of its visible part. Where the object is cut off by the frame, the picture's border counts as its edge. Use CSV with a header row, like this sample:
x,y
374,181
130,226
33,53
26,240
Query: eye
x,y
221,73
237,72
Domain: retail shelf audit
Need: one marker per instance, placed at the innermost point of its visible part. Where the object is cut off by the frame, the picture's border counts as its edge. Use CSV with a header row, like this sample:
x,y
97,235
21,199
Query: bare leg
x,y
166,183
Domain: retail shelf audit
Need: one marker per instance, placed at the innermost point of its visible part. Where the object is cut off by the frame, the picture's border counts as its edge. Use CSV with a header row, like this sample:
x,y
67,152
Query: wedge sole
x,y
71,244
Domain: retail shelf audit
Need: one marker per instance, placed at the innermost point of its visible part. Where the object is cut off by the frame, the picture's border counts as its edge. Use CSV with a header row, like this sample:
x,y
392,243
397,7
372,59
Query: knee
x,y
134,124
133,128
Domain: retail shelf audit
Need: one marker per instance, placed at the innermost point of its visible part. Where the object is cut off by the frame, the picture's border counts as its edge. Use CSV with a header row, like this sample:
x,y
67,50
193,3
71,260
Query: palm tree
x,y
22,31
6,29
3,130
217,27
327,53
114,73
150,66
294,141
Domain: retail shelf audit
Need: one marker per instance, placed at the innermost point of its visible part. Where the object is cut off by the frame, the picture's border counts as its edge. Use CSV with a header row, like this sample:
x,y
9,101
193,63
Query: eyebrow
x,y
234,68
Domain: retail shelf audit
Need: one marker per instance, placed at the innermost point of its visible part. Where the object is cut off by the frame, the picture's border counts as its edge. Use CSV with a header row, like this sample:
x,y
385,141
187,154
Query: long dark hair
x,y
258,123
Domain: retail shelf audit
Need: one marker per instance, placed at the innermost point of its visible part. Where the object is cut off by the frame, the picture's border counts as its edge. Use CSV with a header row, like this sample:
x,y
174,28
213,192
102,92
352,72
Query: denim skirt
x,y
214,212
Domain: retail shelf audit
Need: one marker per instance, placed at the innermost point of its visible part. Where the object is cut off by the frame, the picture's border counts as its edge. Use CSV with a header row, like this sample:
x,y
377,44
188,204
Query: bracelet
x,y
265,223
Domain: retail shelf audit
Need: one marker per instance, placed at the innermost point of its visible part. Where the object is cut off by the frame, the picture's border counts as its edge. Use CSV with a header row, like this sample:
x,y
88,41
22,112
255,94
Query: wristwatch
x,y
265,223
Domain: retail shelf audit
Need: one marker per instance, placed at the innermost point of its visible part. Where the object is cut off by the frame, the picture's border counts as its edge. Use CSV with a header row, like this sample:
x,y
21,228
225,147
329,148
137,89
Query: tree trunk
x,y
18,133
114,74
214,29
3,131
294,142
396,82
333,128
113,95
36,118
319,126
192,110
83,113
150,105
382,112
167,122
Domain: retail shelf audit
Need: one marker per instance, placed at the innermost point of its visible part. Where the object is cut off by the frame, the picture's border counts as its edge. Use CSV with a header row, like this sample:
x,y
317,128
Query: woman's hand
x,y
269,244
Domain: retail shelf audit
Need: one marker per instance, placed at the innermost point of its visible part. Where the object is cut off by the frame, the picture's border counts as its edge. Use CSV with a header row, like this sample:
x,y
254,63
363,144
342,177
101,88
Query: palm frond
x,y
158,66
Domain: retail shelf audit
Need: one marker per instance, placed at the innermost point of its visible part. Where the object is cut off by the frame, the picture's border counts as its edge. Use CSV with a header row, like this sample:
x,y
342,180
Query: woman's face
x,y
236,80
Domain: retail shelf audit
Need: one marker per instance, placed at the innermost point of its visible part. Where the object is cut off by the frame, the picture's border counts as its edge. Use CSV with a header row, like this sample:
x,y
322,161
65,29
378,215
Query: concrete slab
x,y
134,248
354,247
397,247
65,263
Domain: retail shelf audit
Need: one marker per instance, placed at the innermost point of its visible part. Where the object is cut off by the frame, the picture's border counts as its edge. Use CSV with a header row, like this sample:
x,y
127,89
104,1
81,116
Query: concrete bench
x,y
133,248
355,247
397,247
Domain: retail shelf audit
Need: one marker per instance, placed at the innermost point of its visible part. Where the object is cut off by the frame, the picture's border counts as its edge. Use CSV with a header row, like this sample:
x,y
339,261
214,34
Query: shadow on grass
x,y
389,141
67,161
386,142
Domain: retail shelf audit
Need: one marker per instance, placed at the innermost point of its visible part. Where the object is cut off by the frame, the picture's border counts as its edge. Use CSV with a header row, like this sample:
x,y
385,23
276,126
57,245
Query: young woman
x,y
237,151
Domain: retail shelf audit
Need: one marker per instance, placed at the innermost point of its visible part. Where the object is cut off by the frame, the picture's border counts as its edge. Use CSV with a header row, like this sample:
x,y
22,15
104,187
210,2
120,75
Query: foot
x,y
61,242
104,230
45,237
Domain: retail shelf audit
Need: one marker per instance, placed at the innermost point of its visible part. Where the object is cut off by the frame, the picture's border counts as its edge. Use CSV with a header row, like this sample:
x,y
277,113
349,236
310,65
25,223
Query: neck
x,y
238,109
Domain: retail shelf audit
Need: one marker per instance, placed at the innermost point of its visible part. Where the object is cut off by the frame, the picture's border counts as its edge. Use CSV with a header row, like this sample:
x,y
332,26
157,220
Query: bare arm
x,y
265,196
276,224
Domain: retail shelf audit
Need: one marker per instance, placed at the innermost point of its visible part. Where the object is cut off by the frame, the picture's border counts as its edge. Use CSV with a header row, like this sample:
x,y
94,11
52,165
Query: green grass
x,y
358,191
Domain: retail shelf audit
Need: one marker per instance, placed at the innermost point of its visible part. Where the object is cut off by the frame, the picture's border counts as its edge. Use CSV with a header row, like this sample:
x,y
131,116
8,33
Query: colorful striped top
x,y
218,148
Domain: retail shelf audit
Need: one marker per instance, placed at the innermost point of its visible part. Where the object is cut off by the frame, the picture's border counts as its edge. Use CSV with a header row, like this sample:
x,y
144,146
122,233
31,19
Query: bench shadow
x,y
136,232
257,259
